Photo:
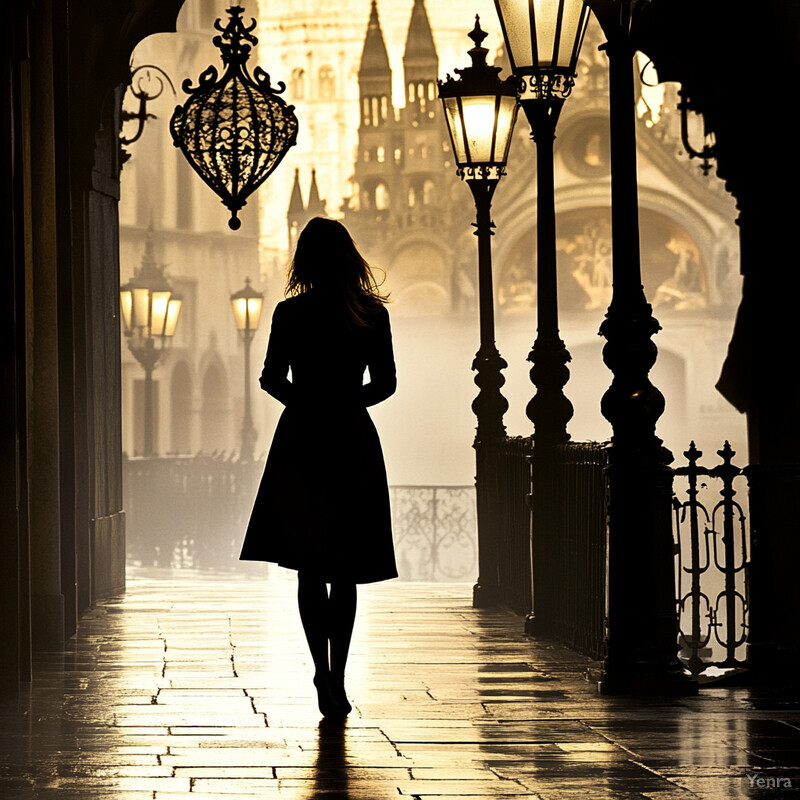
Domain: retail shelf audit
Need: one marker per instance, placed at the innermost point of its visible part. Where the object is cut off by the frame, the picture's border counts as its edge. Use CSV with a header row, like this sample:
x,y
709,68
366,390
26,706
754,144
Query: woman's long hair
x,y
326,258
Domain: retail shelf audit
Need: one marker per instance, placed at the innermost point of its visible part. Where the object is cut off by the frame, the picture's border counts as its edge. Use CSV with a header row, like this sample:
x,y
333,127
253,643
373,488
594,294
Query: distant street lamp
x,y
247,304
480,110
150,312
543,40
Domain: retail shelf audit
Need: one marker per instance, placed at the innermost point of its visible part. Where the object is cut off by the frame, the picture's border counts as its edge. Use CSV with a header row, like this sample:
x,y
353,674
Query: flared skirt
x,y
323,501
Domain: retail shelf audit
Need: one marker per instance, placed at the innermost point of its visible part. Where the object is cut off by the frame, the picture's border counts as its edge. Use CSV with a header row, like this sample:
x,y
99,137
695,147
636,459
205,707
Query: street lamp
x,y
150,311
247,304
480,110
543,39
642,623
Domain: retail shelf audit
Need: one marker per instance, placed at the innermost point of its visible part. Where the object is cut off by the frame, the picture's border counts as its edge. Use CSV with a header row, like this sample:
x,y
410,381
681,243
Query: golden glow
x,y
173,312
141,308
126,304
480,128
555,53
158,311
247,312
478,114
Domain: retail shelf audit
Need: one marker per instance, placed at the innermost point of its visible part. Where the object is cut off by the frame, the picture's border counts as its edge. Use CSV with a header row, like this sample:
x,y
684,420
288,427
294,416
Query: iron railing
x,y
435,532
187,511
551,562
712,565
580,506
191,512
509,509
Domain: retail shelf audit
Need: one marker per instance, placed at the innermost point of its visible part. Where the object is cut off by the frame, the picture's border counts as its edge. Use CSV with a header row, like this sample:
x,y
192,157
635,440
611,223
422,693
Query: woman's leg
x,y
312,601
341,616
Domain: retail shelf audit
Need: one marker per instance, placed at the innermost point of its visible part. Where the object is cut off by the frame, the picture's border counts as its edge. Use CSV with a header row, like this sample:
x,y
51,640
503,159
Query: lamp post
x,y
543,39
247,304
480,110
641,611
150,312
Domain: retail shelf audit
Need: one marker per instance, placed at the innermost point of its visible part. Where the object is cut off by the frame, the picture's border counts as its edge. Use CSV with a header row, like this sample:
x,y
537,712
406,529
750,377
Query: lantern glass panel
x,y
254,312
517,27
506,117
240,312
126,304
141,307
556,24
479,112
453,115
173,312
158,312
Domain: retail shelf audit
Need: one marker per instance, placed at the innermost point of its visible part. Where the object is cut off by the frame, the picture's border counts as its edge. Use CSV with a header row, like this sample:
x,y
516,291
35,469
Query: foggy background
x,y
429,257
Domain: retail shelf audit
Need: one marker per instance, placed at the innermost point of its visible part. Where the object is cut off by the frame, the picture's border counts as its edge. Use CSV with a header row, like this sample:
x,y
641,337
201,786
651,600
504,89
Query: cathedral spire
x,y
315,207
296,206
374,57
420,52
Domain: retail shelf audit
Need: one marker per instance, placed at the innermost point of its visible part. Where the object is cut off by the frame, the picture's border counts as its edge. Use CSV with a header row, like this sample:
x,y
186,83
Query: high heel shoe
x,y
326,701
340,695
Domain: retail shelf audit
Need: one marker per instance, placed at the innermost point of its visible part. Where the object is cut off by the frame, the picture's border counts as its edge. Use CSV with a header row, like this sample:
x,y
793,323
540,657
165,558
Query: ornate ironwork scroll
x,y
711,548
435,532
146,88
234,130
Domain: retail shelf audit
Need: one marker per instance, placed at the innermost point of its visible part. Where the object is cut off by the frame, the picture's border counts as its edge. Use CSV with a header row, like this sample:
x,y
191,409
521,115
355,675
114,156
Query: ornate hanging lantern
x,y
234,130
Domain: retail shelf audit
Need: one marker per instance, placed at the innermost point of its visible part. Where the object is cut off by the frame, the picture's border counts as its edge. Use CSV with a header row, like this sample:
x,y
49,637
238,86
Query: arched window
x,y
376,119
327,82
365,111
181,410
428,191
355,198
380,155
297,83
381,197
410,92
431,91
412,197
214,417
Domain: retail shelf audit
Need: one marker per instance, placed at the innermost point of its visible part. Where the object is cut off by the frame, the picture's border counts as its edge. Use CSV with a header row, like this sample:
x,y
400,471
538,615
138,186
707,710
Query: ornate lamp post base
x,y
642,643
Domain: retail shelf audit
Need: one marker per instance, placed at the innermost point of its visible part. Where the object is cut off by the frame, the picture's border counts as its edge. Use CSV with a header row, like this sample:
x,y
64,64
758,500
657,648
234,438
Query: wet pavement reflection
x,y
199,685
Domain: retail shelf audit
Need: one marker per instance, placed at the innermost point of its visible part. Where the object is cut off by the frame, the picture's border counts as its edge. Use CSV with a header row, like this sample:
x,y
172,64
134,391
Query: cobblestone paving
x,y
200,686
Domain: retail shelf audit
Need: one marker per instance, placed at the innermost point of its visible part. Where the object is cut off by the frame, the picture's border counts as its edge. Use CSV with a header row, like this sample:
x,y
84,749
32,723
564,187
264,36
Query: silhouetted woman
x,y
323,504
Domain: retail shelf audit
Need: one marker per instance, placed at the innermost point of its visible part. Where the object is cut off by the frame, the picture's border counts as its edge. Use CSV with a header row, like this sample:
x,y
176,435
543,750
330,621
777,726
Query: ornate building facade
x,y
317,53
165,207
414,220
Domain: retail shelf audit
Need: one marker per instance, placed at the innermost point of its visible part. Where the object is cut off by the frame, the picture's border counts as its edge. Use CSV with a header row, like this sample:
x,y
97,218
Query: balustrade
x,y
191,512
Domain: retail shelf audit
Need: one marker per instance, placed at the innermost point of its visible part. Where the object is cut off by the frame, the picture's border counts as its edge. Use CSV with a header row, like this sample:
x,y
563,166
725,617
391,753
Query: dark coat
x,y
323,502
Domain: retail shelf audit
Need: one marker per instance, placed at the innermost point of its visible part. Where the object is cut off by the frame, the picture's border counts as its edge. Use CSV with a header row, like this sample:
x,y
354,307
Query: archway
x,y
181,409
214,410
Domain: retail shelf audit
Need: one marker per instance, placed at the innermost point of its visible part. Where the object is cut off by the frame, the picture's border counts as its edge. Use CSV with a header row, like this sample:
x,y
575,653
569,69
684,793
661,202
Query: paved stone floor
x,y
200,686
